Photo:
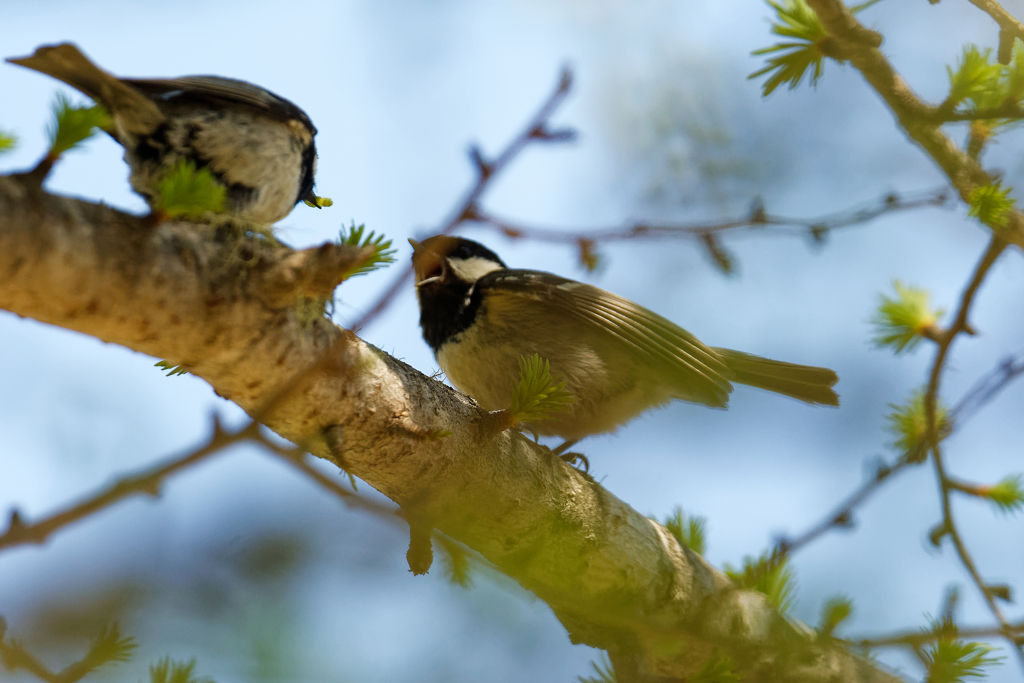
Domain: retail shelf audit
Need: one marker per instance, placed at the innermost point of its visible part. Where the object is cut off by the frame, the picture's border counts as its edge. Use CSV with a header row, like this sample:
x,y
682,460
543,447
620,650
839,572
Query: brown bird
x,y
617,358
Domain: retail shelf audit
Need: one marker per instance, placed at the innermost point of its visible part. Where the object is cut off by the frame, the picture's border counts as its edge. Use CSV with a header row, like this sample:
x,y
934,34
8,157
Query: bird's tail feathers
x,y
803,382
66,63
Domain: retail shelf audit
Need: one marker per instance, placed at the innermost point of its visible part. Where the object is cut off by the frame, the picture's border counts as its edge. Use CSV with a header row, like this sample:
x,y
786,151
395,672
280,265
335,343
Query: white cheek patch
x,y
473,268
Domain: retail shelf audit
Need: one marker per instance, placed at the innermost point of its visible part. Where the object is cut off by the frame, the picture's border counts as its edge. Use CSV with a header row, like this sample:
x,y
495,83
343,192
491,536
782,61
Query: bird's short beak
x,y
310,199
430,266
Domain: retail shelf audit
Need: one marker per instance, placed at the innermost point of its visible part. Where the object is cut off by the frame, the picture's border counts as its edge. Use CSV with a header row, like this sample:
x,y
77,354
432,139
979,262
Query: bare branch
x,y
842,516
1009,27
534,131
985,389
148,482
946,483
14,656
851,41
918,638
758,220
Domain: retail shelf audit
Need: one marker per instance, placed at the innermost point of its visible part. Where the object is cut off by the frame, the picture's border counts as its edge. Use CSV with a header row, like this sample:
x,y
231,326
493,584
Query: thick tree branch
x,y
225,304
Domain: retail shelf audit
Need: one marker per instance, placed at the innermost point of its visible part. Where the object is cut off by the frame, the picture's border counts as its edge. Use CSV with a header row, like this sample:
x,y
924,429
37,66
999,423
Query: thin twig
x,y
980,393
859,46
108,648
297,458
946,483
13,657
757,220
842,516
976,490
150,481
535,131
983,391
856,44
918,638
1009,27
147,482
966,559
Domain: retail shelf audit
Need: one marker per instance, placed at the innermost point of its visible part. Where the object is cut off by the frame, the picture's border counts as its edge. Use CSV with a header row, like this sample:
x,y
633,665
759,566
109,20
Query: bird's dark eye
x,y
463,252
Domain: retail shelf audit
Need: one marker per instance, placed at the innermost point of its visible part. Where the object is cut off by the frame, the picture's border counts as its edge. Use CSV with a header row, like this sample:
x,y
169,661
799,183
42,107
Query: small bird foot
x,y
566,445
577,460
571,458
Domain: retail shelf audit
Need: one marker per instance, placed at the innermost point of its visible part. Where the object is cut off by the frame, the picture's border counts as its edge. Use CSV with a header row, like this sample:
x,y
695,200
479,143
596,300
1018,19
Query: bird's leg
x,y
566,445
571,458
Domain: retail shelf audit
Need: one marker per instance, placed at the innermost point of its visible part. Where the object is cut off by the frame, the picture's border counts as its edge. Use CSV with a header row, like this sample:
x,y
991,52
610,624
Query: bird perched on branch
x,y
618,359
258,145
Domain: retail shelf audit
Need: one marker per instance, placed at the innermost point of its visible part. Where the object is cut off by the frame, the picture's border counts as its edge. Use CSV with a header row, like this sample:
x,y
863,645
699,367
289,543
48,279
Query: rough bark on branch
x,y
246,314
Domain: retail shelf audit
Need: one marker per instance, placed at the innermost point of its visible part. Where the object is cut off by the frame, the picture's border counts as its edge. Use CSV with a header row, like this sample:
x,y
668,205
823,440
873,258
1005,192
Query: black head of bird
x,y
617,358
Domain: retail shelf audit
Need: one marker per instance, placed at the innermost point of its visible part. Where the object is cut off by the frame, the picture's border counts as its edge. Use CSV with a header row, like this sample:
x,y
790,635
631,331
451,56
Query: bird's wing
x,y
217,89
692,368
